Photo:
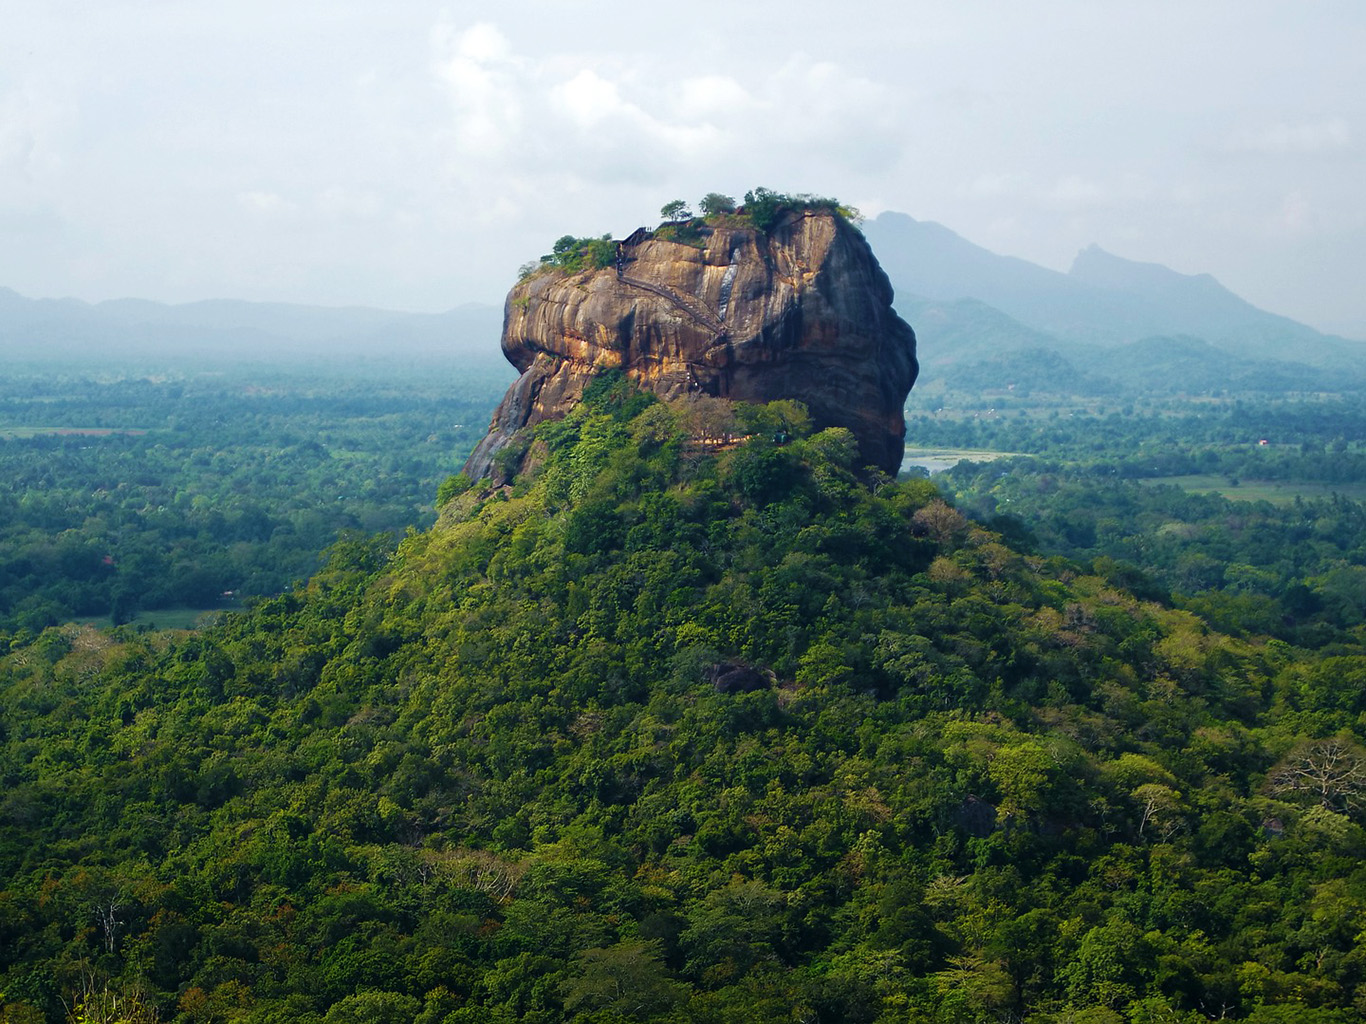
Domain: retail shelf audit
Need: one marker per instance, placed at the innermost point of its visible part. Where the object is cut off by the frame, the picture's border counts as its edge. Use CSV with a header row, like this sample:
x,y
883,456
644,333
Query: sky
x,y
411,155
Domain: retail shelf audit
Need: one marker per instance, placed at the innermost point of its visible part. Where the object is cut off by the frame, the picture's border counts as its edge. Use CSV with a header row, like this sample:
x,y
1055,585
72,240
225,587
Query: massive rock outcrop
x,y
802,311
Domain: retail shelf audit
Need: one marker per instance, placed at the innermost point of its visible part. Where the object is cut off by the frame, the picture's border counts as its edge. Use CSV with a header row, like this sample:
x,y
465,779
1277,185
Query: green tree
x,y
714,204
676,210
628,978
373,1007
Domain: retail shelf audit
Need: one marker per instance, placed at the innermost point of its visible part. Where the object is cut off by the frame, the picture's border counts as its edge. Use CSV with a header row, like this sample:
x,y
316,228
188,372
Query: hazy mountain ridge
x,y
1109,325
969,346
235,329
1105,302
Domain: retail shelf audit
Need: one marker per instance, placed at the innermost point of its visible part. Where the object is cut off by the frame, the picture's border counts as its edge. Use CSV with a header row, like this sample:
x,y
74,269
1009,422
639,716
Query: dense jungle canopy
x,y
673,731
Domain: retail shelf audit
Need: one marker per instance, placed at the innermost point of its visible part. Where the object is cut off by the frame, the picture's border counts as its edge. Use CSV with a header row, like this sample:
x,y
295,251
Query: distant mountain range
x,y
229,331
984,320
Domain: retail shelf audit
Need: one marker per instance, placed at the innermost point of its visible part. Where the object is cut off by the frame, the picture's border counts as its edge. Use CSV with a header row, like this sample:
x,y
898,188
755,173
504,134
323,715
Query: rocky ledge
x,y
802,311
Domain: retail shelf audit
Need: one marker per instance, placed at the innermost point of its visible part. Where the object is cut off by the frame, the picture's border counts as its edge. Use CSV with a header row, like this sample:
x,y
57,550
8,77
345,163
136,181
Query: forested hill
x,y
680,734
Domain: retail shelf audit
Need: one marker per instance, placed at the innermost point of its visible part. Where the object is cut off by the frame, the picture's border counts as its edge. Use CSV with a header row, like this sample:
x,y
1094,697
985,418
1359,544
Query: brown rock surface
x,y
801,312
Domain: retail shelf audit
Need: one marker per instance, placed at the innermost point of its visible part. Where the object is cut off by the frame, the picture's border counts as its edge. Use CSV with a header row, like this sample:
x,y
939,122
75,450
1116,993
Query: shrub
x,y
451,487
714,204
573,254
686,232
764,207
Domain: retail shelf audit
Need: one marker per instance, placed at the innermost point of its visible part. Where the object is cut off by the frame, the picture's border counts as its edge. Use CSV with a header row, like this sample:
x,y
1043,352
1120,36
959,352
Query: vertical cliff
x,y
801,311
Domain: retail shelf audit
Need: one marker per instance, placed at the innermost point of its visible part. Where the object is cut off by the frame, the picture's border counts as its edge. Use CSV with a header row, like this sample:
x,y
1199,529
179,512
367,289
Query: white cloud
x,y
342,203
1295,214
31,126
1076,192
823,87
1329,135
483,43
588,99
481,78
992,186
566,122
712,96
266,204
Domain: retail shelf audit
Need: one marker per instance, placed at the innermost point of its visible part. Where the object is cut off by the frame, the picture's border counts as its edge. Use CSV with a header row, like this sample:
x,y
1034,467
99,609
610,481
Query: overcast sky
x,y
411,154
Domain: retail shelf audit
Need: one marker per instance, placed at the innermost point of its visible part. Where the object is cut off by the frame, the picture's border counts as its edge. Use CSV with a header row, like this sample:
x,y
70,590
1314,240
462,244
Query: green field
x,y
1279,492
18,433
169,618
936,460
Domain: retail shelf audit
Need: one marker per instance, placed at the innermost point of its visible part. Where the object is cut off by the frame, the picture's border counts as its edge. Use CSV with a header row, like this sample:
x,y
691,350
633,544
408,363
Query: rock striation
x,y
802,311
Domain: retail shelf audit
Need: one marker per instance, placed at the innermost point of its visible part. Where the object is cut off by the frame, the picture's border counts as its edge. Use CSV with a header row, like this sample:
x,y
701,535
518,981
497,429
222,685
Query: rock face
x,y
802,311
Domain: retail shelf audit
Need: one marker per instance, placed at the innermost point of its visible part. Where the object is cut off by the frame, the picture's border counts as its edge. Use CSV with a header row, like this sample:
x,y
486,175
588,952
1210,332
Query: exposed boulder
x,y
802,311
